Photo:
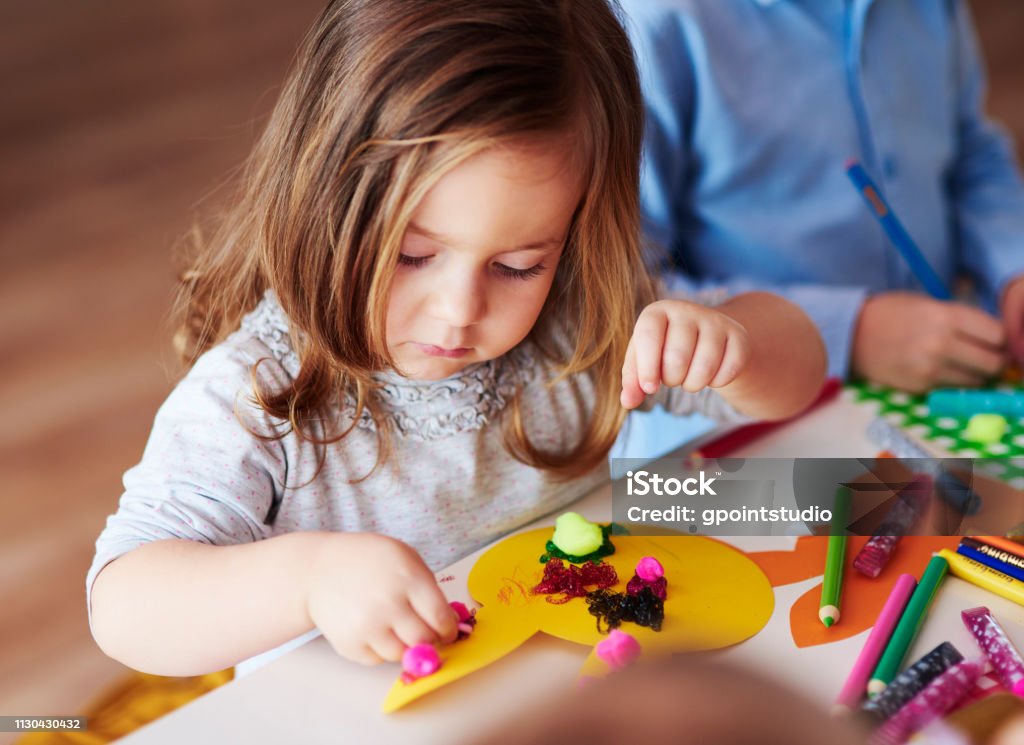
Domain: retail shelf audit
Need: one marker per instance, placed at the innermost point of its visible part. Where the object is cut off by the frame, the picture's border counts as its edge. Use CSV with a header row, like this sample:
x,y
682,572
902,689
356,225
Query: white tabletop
x,y
313,696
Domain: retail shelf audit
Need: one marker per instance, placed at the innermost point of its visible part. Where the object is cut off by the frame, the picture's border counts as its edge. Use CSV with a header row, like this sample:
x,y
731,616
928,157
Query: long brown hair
x,y
384,98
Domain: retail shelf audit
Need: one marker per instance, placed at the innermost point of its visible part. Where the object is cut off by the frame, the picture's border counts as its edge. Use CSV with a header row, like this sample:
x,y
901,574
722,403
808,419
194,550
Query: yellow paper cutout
x,y
717,597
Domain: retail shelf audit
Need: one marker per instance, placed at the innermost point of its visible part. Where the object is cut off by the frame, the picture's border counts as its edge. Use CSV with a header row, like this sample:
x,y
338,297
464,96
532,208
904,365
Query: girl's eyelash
x,y
412,260
510,273
505,271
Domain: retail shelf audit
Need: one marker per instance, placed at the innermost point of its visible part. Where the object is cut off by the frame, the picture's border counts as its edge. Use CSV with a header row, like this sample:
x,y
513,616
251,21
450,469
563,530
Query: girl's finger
x,y
412,630
632,395
733,360
680,341
361,654
648,342
430,604
707,358
386,645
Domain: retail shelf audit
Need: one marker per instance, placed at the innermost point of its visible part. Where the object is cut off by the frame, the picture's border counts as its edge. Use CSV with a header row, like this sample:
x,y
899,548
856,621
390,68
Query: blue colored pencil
x,y
897,233
990,561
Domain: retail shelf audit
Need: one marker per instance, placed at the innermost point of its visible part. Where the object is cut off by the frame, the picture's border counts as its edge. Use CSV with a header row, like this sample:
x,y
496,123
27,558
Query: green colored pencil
x,y
832,587
910,623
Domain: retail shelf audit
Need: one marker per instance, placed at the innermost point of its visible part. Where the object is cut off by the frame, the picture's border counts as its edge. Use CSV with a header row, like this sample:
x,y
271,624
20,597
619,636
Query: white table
x,y
310,695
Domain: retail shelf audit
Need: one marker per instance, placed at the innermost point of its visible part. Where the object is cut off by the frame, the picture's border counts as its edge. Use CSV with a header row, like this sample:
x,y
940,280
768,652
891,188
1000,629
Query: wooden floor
x,y
118,118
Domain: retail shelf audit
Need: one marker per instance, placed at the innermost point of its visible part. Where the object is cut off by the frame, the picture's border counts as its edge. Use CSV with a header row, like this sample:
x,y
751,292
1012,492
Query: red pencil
x,y
730,441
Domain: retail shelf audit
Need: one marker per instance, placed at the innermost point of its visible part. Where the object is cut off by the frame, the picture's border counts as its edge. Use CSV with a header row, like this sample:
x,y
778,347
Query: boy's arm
x,y
787,363
986,192
178,607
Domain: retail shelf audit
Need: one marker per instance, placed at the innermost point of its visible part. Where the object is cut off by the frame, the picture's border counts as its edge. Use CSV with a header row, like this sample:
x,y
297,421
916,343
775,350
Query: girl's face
x,y
479,258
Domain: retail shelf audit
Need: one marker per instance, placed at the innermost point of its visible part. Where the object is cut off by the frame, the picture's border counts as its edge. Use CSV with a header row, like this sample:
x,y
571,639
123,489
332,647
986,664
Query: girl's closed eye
x,y
413,261
503,270
512,273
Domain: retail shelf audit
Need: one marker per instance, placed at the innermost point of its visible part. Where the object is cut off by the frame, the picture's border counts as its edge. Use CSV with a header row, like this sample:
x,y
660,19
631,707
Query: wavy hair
x,y
384,98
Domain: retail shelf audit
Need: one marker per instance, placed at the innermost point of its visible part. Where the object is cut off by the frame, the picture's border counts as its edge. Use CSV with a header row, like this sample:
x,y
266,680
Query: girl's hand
x,y
372,596
677,343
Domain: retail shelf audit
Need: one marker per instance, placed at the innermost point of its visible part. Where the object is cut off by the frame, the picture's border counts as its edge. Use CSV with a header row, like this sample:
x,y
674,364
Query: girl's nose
x,y
460,300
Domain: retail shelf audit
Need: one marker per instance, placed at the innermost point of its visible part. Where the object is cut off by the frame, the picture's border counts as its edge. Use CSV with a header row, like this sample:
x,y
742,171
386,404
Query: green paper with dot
x,y
911,413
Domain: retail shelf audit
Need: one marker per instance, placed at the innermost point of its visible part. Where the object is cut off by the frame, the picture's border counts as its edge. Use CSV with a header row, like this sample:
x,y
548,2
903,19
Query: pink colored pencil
x,y
857,682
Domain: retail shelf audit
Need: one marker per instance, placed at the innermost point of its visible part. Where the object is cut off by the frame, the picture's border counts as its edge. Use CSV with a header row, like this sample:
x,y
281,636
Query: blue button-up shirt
x,y
753,107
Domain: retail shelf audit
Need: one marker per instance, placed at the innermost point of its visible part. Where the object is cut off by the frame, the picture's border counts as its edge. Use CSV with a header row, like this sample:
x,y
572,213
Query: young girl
x,y
413,335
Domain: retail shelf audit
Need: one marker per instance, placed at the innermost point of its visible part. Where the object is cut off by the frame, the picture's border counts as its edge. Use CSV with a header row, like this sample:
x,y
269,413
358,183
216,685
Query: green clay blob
x,y
577,536
606,548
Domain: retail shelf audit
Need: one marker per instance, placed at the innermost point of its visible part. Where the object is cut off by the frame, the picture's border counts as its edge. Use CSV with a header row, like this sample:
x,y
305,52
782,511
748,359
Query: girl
x,y
413,335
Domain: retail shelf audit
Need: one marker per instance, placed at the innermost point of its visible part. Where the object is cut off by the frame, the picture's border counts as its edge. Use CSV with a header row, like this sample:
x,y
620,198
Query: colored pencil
x,y
897,233
832,585
1002,543
1013,558
909,625
856,683
984,577
991,561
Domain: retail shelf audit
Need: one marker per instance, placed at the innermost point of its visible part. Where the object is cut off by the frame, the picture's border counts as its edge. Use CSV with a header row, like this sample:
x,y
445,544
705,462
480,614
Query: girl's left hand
x,y
678,343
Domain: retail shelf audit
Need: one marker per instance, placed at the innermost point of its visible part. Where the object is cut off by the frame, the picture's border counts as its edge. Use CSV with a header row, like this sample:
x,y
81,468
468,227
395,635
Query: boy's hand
x,y
677,343
1012,309
372,596
910,341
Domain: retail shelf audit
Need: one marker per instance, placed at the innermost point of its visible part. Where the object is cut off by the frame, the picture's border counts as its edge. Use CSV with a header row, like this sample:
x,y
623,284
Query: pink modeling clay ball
x,y
618,650
649,569
462,610
420,660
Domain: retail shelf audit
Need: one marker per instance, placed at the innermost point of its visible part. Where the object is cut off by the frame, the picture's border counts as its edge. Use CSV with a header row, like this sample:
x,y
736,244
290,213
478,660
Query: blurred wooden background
x,y
118,118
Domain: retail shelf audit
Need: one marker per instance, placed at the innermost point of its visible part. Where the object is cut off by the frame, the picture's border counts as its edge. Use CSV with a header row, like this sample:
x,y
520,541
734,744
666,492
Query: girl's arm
x,y
786,365
177,607
758,351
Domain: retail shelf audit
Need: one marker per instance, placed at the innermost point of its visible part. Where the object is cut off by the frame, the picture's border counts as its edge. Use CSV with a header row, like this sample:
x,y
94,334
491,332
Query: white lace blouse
x,y
448,488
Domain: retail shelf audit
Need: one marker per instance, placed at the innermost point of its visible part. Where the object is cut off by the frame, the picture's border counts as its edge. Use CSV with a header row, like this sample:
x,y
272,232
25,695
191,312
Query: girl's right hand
x,y
372,596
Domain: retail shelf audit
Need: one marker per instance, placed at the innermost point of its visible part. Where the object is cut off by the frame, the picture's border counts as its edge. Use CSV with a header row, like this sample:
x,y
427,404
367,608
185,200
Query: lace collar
x,y
420,410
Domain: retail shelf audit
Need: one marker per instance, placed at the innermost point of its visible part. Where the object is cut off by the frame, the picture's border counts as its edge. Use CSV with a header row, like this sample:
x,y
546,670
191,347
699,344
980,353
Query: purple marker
x,y
938,698
996,645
